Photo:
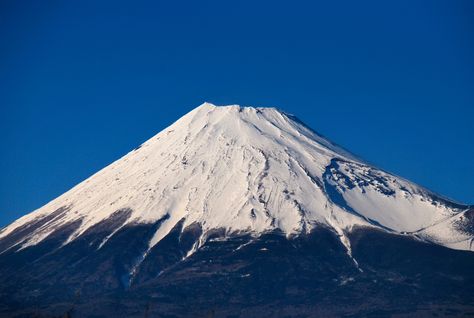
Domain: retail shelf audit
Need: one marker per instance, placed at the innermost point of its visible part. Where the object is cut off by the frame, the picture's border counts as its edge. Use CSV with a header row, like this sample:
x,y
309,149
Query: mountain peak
x,y
236,109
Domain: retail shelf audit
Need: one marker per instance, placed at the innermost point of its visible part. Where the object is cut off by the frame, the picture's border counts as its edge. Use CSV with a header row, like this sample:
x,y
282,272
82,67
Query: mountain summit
x,y
217,174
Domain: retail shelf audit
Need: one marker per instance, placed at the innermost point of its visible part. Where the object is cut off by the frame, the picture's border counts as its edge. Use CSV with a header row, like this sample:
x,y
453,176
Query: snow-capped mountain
x,y
224,172
253,170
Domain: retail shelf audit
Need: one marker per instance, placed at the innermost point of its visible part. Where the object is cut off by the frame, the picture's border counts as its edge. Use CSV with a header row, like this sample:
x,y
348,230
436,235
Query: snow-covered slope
x,y
253,170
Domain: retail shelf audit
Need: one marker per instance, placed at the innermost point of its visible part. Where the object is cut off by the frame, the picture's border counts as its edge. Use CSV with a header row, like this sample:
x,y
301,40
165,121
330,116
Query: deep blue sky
x,y
83,82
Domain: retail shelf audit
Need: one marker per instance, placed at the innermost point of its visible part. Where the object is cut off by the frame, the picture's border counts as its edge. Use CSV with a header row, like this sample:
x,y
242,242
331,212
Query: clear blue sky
x,y
83,82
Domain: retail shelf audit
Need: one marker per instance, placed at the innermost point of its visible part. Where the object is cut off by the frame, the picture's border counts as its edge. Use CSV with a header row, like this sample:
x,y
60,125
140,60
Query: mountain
x,y
240,211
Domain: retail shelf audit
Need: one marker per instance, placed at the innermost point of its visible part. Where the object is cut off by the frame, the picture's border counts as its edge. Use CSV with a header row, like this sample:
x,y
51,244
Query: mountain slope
x,y
227,193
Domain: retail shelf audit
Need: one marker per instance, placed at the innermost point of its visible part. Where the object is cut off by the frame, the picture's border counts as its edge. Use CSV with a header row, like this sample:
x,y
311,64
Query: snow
x,y
246,169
